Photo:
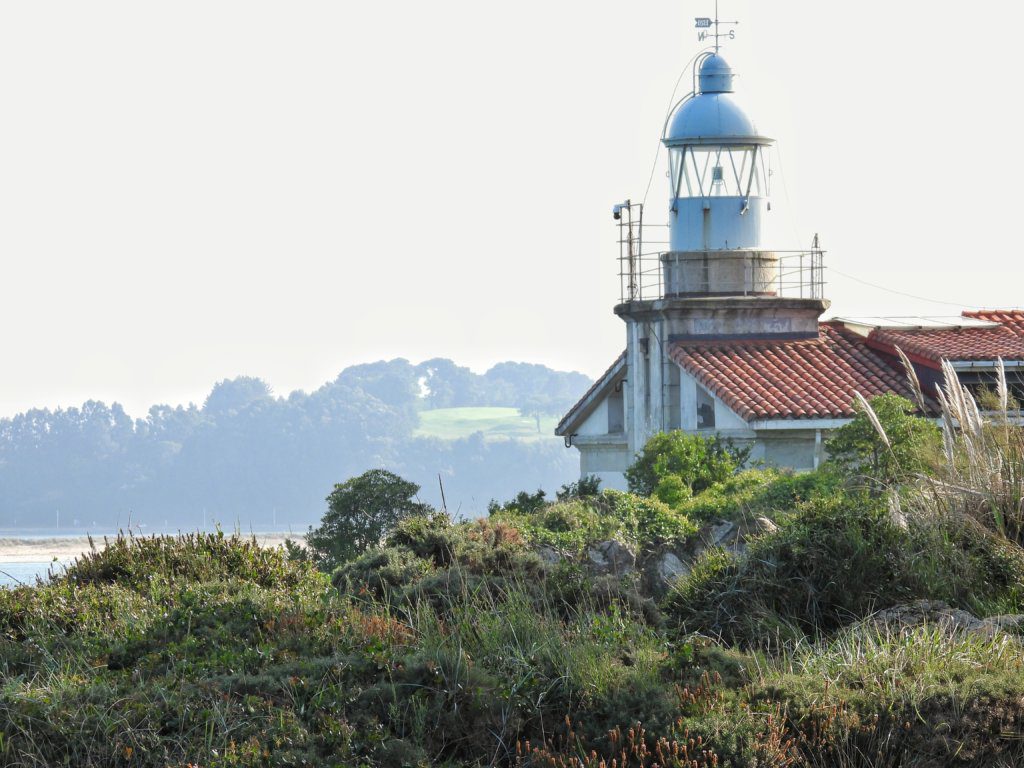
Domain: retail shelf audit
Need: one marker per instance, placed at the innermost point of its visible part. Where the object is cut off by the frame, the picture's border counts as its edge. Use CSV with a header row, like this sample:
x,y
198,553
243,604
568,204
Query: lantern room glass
x,y
718,171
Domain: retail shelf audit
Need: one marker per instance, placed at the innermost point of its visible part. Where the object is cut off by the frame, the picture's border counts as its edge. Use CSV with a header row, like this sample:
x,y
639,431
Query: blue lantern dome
x,y
718,169
712,115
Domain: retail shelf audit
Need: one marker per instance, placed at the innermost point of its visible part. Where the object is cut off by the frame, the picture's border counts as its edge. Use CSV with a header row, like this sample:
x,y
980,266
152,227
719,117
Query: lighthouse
x,y
723,330
718,170
718,279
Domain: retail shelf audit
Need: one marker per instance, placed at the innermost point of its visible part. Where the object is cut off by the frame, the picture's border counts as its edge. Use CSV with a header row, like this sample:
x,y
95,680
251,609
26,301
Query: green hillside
x,y
495,423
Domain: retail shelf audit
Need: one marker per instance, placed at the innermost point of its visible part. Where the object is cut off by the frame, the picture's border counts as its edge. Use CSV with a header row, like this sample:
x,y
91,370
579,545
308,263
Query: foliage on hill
x,y
247,457
511,640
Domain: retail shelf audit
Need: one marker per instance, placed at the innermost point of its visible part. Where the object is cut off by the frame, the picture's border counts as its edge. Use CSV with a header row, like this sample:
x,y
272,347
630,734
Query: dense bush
x,y
757,492
835,560
137,561
571,525
881,455
360,512
695,461
588,485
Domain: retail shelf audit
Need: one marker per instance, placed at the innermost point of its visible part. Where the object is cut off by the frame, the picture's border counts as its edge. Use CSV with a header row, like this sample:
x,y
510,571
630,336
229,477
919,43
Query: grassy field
x,y
495,423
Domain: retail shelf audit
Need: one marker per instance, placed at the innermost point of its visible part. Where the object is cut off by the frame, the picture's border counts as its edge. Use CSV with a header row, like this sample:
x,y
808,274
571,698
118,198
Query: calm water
x,y
12,573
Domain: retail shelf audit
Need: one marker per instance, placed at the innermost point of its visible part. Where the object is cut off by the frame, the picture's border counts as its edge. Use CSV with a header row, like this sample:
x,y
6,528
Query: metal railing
x,y
659,274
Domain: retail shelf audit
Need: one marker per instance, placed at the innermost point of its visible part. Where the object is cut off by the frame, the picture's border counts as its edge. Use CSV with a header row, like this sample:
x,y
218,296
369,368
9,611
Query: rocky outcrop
x,y
669,567
939,614
550,556
611,557
661,567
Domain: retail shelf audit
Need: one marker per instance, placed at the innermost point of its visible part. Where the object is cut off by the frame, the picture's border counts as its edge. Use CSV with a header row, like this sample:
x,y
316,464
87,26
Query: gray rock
x,y
931,612
670,568
711,536
718,533
762,525
549,555
612,557
1007,622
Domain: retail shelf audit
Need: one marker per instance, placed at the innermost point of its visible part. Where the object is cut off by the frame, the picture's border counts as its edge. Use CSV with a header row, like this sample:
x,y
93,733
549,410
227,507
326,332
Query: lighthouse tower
x,y
718,280
709,295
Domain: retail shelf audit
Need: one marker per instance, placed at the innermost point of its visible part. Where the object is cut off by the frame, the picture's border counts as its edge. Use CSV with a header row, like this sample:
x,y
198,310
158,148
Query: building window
x,y
705,409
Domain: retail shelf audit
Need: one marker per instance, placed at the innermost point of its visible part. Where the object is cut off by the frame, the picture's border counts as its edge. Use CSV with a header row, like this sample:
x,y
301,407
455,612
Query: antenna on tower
x,y
706,23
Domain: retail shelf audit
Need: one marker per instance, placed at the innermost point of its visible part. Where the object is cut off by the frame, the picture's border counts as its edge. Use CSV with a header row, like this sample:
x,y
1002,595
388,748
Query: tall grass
x,y
951,698
982,475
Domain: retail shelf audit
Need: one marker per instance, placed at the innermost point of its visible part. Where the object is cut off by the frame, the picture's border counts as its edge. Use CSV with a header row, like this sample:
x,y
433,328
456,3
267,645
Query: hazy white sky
x,y
195,190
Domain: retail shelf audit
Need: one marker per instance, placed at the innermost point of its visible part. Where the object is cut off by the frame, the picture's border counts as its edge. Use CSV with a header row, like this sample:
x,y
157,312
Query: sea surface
x,y
14,574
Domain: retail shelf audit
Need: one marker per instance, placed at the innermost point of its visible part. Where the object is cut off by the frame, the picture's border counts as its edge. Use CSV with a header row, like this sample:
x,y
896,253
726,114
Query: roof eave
x,y
579,412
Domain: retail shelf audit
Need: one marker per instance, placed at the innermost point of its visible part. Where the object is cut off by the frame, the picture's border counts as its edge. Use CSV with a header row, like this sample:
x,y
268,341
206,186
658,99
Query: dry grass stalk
x,y
1001,389
873,418
983,475
915,383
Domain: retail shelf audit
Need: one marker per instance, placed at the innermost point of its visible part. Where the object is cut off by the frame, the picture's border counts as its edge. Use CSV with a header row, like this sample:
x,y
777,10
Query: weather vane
x,y
705,23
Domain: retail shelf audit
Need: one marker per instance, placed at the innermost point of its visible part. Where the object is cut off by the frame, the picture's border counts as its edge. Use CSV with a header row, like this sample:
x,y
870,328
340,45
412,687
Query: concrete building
x,y
724,334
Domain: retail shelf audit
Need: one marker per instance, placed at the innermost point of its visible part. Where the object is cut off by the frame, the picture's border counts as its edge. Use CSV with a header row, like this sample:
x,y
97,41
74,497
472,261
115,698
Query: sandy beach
x,y
14,550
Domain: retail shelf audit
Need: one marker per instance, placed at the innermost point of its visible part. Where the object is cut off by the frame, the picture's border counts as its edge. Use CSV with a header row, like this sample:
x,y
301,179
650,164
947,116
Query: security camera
x,y
617,211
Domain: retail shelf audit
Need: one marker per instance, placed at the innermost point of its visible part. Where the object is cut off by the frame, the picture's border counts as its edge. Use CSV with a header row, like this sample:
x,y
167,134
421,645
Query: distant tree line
x,y
247,458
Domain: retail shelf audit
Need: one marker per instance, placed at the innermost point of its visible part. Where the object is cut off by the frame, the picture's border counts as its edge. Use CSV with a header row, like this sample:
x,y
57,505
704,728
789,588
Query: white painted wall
x,y
597,422
614,480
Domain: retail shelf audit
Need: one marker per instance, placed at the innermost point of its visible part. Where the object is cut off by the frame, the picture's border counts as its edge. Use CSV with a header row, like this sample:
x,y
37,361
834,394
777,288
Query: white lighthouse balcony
x,y
653,274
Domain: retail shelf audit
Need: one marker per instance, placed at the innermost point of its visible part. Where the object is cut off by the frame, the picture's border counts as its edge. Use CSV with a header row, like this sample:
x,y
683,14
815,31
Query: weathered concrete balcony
x,y
723,273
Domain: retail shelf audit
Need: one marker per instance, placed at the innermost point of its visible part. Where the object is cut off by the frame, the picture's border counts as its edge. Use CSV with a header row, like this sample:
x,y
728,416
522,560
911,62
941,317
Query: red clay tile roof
x,y
936,345
1009,318
798,379
602,380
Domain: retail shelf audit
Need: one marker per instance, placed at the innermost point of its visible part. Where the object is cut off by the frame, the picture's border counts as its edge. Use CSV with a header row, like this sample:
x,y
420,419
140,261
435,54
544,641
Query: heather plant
x,y
136,561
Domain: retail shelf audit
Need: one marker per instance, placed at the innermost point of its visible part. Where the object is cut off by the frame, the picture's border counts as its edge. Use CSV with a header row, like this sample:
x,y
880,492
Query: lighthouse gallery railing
x,y
785,273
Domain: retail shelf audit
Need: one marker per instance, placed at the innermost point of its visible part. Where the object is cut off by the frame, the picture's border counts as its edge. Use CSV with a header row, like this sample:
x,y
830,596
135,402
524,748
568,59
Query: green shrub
x,y
757,492
360,513
381,573
835,560
860,455
697,460
137,561
588,485
432,537
523,504
572,525
919,697
647,522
